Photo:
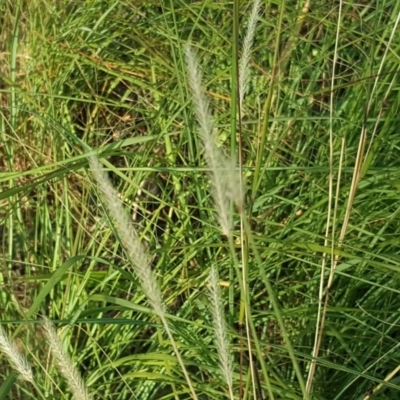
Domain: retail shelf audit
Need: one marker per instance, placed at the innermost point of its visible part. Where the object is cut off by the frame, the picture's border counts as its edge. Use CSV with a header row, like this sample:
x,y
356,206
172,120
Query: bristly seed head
x,y
224,177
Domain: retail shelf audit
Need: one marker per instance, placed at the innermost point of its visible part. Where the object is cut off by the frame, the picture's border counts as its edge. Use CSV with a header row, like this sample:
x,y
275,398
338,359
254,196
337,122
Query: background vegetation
x,y
321,164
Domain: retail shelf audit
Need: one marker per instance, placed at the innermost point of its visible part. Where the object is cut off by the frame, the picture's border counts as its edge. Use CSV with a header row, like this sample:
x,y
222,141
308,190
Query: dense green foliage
x,y
111,76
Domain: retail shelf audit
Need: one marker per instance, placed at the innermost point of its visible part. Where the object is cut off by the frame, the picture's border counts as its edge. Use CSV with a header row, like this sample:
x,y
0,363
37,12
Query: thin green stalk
x,y
277,312
233,109
246,304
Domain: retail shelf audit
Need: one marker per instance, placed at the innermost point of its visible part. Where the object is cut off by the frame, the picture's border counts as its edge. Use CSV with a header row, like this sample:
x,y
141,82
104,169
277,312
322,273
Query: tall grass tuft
x,y
17,360
64,363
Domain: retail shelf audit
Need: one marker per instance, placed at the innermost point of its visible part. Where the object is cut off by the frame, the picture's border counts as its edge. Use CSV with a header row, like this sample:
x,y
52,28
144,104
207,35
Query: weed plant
x,y
199,200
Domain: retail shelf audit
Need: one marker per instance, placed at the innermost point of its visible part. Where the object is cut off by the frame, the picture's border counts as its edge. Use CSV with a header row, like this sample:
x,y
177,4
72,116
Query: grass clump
x,y
291,293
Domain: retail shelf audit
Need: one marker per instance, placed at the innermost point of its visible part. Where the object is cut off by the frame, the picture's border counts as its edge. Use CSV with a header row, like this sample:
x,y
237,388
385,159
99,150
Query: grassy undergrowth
x,y
308,272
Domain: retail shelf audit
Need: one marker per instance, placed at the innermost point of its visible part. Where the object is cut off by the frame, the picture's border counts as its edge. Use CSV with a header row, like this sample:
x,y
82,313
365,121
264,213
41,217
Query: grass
x,y
308,264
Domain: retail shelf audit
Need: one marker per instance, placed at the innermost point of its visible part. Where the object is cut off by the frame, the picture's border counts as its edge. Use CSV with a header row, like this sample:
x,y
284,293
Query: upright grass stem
x,y
137,255
224,179
322,306
221,337
277,312
222,194
243,74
